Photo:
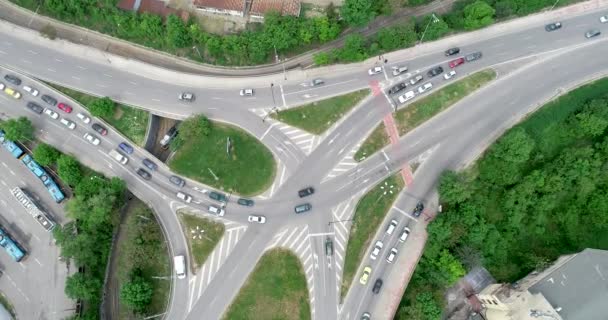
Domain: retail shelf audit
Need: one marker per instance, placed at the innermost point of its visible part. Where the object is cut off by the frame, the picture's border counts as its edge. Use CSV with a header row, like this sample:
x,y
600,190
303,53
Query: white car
x,y
256,218
83,118
215,210
51,114
399,70
374,70
1,86
391,256
604,19
184,197
377,247
391,227
246,93
71,125
449,75
425,87
31,90
416,79
92,139
407,96
404,234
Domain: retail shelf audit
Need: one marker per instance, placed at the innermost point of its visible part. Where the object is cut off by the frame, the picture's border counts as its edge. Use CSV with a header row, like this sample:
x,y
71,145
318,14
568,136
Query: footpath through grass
x,y
276,289
130,121
318,116
248,170
377,140
370,212
203,235
422,110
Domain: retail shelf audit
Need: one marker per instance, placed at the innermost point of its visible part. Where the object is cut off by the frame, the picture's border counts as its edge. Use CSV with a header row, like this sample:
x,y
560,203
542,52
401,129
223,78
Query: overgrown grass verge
x,y
203,235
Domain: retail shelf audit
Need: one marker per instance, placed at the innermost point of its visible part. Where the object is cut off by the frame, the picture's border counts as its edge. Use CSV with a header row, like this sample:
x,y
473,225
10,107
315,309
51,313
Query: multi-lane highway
x,y
531,65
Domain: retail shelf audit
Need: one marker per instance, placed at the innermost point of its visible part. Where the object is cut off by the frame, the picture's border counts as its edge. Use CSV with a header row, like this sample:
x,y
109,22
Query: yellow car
x,y
366,272
11,92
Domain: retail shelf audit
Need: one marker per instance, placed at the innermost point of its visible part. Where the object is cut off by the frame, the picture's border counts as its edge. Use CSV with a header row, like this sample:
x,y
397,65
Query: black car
x,y
366,316
435,71
377,286
35,107
144,174
306,192
302,208
553,26
473,56
418,210
396,88
245,202
177,181
125,147
329,247
48,99
100,129
218,196
12,79
452,51
149,164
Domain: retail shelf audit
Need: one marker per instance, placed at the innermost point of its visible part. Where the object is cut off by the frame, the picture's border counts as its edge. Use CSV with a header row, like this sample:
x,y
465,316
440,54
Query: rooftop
x,y
284,7
231,5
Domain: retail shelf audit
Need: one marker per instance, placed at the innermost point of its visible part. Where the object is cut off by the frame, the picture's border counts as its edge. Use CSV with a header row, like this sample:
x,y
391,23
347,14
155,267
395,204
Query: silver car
x,y
592,33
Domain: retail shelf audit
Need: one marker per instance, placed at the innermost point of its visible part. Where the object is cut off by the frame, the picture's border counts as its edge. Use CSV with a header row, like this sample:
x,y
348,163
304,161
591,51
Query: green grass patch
x,y
144,248
276,289
318,116
248,170
131,122
422,110
7,305
369,214
377,140
203,235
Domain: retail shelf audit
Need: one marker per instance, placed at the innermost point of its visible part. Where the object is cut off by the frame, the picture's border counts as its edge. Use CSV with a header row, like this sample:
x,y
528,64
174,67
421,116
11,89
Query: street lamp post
x,y
553,6
276,57
434,19
274,103
197,51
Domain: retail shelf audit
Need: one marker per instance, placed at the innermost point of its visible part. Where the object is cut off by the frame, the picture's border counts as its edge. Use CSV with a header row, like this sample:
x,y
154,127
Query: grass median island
x,y
422,110
377,140
318,116
276,289
202,234
7,305
370,212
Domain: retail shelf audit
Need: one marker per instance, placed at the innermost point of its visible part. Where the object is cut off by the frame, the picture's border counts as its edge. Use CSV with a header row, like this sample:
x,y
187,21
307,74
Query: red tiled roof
x,y
234,5
158,7
126,4
284,7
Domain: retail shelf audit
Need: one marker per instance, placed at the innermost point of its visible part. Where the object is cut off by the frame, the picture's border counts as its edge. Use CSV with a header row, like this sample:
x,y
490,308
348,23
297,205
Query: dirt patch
x,y
118,114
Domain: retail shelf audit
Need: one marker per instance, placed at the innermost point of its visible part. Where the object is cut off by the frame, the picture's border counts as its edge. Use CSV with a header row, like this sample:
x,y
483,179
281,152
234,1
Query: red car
x,y
64,107
456,63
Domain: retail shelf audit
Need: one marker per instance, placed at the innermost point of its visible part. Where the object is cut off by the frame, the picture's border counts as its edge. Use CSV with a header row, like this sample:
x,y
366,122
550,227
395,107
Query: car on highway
x,y
12,79
592,33
366,316
127,148
374,71
245,202
553,26
49,100
69,124
247,92
217,211
149,164
418,209
391,255
100,129
256,218
435,71
329,247
144,174
452,51
398,87
604,19
2,86
456,62
416,79
184,197
399,70
52,114
316,82
31,90
391,227
306,192
366,272
302,208
473,56
35,107
92,139
423,88
84,118
218,196
65,107
376,251
12,92
186,96
177,181
407,96
449,75
404,234
377,286
118,156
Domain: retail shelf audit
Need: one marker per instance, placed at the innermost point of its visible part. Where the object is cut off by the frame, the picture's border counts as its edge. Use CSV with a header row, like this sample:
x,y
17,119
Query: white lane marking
x,y
3,183
49,69
289,237
2,52
101,85
325,86
3,202
12,172
81,67
321,234
283,95
210,268
385,155
75,78
107,75
200,283
32,52
282,175
58,60
133,83
26,61
129,93
156,100
4,164
38,262
267,130
216,98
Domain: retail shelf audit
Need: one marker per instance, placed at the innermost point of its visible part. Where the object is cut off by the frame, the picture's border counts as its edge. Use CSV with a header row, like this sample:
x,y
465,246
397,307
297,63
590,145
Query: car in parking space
x,y
100,129
456,62
449,75
12,79
366,316
377,286
376,251
435,71
65,107
391,227
35,107
184,197
452,51
127,148
71,125
247,92
177,181
31,90
306,192
92,139
84,118
407,96
404,234
366,272
186,96
473,56
144,174
391,255
149,164
553,26
416,79
256,218
302,208
329,246
218,196
52,114
374,70
245,202
604,19
589,34
399,70
316,82
418,209
425,87
215,210
49,100
12,92
396,88
2,86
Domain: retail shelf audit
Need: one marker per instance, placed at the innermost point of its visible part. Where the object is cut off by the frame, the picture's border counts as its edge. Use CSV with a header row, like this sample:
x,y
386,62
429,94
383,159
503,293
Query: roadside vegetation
x,y
7,305
377,140
368,216
319,116
201,154
539,192
276,289
422,110
203,235
130,121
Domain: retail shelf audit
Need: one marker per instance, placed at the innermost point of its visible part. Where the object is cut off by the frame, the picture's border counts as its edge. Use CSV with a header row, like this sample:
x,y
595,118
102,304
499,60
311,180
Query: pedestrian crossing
x,y
305,141
346,164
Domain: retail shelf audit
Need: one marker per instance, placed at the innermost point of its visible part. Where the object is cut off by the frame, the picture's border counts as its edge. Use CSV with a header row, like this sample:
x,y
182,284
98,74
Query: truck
x,y
10,246
179,264
118,156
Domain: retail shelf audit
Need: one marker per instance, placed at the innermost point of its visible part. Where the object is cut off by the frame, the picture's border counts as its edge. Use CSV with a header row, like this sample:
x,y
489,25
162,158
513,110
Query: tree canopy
x,y
478,14
103,107
18,129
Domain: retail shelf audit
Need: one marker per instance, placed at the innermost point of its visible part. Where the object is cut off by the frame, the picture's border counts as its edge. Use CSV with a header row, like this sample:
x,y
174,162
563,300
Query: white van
x,y
407,96
118,157
179,263
391,227
399,70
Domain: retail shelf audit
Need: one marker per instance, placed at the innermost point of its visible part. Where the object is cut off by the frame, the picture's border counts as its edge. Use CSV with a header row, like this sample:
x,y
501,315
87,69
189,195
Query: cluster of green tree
x,y
539,192
193,128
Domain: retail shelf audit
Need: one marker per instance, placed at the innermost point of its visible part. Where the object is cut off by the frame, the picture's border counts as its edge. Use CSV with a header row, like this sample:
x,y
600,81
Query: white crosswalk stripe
x,y
306,141
346,164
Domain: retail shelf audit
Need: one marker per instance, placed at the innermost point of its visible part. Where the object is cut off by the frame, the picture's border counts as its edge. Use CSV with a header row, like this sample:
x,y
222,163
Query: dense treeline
x,y
539,192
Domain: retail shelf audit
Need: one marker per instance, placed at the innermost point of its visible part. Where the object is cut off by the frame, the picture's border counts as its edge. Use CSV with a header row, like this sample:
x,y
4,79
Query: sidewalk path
x,y
393,134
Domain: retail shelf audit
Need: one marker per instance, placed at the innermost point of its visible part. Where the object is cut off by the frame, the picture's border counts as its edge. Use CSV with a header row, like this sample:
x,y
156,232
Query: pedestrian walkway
x,y
305,141
393,134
